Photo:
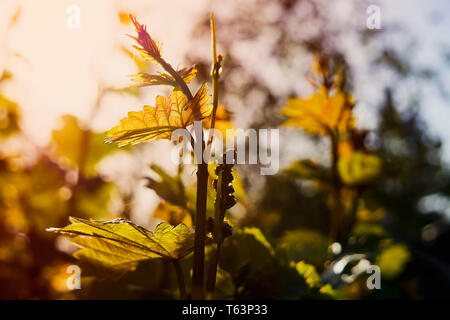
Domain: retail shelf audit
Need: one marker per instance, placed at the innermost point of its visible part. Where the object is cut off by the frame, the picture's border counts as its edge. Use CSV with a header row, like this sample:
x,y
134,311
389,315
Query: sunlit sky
x,y
59,70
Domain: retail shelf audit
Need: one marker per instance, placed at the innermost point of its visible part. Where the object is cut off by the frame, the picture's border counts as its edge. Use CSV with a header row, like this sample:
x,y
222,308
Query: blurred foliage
x,y
392,260
70,134
9,117
397,185
37,194
303,244
311,232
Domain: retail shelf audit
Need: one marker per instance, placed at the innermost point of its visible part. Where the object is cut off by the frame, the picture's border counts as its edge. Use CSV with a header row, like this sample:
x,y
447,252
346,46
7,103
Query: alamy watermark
x,y
374,280
263,147
73,21
374,19
73,282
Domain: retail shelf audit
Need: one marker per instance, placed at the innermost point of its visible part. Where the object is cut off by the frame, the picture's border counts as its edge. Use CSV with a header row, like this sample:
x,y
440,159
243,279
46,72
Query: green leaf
x,y
256,271
121,244
364,229
359,168
225,287
246,247
303,244
170,188
259,236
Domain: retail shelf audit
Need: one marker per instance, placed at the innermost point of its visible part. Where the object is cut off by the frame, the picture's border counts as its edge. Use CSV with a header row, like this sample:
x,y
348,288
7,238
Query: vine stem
x,y
215,72
219,215
218,238
202,185
176,76
180,278
202,181
212,275
200,229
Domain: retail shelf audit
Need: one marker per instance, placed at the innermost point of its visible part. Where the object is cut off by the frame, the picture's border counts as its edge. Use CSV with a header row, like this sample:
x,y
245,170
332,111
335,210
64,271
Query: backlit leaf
x,y
145,79
320,112
169,114
359,168
256,272
121,244
170,188
245,246
149,48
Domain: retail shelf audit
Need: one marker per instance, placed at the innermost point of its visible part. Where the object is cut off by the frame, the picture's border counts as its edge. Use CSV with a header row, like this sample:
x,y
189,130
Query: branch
x,y
177,77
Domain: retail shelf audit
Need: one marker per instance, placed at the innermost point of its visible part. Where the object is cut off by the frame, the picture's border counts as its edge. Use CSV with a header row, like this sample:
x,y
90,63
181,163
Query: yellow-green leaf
x,y
169,114
308,271
359,168
393,259
170,188
121,244
320,112
303,244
